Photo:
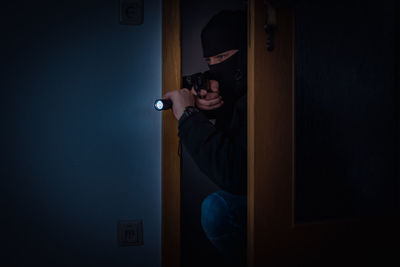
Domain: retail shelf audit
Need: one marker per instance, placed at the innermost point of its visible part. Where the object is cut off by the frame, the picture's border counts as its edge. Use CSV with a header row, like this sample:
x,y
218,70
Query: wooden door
x,y
279,132
171,189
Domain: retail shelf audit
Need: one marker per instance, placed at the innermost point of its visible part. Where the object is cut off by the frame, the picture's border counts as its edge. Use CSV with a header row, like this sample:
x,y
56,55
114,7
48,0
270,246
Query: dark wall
x,y
346,109
195,185
81,141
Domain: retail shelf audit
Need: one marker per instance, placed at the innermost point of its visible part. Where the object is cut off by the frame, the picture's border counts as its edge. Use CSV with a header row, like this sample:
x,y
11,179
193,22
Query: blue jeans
x,y
223,218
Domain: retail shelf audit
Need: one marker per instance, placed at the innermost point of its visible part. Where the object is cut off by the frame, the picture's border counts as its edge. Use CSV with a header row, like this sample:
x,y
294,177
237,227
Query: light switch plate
x,y
130,233
131,12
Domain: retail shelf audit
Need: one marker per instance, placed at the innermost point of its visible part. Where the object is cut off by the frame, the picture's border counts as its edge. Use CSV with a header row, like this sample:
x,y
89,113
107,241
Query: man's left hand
x,y
180,100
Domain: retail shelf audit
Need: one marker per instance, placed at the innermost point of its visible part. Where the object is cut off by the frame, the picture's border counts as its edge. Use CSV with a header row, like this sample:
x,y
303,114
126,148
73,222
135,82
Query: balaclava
x,y
226,31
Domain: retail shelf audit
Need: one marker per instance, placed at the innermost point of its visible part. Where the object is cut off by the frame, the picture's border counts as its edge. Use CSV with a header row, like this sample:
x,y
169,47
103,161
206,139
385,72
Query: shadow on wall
x,y
195,185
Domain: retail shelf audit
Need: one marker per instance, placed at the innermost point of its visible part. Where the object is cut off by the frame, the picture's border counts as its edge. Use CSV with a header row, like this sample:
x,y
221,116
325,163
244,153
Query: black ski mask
x,y
227,31
231,75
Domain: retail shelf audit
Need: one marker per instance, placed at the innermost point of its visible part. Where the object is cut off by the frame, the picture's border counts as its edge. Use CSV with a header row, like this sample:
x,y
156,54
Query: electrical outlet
x,y
130,233
131,12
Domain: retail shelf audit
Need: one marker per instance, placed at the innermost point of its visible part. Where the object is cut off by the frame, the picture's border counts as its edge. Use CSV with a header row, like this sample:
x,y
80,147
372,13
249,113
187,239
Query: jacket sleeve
x,y
221,155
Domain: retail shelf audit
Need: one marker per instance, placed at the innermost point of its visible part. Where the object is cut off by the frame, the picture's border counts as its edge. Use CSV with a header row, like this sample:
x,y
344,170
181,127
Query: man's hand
x,y
212,99
180,100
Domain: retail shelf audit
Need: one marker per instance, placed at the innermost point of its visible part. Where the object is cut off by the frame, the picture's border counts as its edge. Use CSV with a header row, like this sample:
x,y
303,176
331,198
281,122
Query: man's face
x,y
220,57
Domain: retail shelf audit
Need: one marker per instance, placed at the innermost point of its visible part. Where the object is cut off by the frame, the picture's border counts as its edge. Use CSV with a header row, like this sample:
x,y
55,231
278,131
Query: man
x,y
220,150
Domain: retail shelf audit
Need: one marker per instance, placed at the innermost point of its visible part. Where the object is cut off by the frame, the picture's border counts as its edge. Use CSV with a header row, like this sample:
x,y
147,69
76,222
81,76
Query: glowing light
x,y
159,105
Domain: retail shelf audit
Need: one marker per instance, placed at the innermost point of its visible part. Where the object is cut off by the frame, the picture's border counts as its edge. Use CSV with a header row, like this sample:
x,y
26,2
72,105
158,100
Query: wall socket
x,y
131,12
130,233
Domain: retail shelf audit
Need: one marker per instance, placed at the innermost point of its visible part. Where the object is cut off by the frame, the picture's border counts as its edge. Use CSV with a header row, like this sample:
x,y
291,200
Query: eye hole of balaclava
x,y
227,31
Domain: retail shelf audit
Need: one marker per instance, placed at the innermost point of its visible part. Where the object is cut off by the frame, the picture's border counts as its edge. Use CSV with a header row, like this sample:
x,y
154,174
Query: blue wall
x,y
81,140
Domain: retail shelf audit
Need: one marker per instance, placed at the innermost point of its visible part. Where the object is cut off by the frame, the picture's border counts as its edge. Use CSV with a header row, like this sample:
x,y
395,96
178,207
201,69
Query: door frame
x,y
171,174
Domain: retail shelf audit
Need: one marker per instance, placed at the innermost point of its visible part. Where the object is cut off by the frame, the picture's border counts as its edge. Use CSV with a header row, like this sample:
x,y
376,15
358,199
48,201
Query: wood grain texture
x,y
270,136
397,91
250,135
171,195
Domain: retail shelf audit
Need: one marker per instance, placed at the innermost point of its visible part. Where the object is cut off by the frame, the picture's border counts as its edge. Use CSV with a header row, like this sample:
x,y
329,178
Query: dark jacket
x,y
220,153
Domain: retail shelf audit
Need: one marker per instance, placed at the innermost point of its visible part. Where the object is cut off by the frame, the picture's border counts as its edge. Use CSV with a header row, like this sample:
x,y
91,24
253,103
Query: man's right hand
x,y
212,100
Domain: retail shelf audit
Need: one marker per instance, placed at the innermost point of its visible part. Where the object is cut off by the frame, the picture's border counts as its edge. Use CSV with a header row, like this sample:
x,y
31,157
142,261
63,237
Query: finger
x,y
167,95
214,85
203,92
211,107
211,102
212,95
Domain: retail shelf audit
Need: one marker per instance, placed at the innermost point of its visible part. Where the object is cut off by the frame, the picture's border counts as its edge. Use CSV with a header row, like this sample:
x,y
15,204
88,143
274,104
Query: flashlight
x,y
162,104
